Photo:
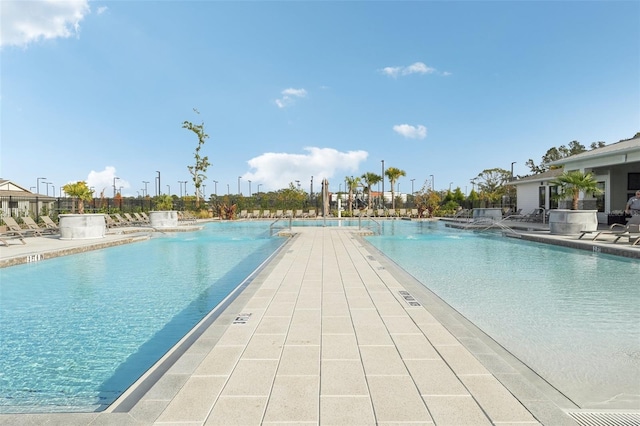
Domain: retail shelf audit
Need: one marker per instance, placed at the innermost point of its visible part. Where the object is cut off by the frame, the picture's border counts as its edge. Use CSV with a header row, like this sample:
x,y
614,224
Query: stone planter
x,y
495,214
567,222
163,219
82,226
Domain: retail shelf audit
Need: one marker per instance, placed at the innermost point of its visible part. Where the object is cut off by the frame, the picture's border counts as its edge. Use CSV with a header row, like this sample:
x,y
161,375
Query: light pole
x,y
450,183
433,184
145,193
158,188
53,190
311,190
382,183
512,163
239,191
249,187
259,185
412,192
168,190
180,182
215,187
114,186
47,183
38,184
228,190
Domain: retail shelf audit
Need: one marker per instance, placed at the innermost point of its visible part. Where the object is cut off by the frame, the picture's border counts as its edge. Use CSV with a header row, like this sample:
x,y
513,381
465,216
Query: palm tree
x,y
352,183
81,191
393,174
370,179
570,184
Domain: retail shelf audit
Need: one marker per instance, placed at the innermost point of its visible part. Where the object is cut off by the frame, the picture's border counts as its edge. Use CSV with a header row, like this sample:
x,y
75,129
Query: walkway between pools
x,y
331,332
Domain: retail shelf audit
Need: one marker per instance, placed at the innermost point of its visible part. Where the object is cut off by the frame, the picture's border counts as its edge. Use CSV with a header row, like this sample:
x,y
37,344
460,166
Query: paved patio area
x,y
330,332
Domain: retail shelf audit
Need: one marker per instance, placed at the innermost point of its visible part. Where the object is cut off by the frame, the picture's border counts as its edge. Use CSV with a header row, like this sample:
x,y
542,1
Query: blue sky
x,y
290,90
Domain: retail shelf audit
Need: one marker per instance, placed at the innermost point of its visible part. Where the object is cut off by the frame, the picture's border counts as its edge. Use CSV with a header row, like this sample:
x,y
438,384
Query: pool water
x,y
77,331
571,315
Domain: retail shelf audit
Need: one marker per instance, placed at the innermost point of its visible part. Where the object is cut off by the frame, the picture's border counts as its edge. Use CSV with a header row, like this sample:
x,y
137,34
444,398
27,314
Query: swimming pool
x,y
77,331
570,315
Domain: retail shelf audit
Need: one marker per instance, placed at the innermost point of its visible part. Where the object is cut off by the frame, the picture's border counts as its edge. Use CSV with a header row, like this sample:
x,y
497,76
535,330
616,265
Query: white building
x,y
616,167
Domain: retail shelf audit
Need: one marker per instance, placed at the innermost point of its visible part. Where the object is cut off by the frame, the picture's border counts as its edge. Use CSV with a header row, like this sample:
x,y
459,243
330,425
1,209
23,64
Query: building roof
x,y
12,189
548,175
615,150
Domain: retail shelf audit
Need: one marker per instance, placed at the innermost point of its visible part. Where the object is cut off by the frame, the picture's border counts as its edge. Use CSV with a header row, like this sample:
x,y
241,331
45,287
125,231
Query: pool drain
x,y
411,301
604,418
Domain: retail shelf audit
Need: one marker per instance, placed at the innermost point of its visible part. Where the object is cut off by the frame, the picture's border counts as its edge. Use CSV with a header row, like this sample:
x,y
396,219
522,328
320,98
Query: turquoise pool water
x,y
570,315
77,331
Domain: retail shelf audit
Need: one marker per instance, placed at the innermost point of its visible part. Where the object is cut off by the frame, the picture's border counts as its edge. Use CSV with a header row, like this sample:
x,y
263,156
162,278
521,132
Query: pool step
x,y
606,418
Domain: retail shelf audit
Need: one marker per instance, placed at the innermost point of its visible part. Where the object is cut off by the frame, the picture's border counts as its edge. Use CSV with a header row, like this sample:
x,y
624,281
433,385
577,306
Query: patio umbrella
x,y
325,197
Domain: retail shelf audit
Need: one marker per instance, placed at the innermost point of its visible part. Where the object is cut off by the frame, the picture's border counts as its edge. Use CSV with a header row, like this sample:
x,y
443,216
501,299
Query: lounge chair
x,y
311,214
279,214
49,223
266,214
299,214
380,213
256,214
11,235
121,220
111,223
243,214
132,220
288,214
616,229
31,224
13,226
633,232
140,218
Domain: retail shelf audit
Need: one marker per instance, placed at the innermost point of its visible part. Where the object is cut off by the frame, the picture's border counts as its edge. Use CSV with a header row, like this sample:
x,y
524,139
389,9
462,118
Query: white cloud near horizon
x,y
411,132
277,170
289,97
415,68
25,22
103,181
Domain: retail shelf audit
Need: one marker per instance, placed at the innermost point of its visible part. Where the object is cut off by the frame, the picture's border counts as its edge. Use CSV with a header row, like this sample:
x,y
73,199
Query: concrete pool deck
x,y
328,332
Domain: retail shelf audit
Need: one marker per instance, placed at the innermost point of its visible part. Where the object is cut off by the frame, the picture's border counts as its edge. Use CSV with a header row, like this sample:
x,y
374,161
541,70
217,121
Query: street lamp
x,y
53,190
412,192
239,191
158,188
512,163
450,183
382,183
47,183
228,190
114,186
38,184
168,190
215,187
433,183
145,193
249,187
180,182
259,185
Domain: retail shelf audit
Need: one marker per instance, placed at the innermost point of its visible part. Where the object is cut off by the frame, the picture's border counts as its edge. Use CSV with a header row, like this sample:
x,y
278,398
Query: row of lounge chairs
x,y
312,213
619,232
31,229
129,219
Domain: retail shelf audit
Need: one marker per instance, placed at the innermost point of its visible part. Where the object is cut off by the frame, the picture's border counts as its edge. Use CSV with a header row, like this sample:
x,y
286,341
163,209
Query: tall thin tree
x,y
201,162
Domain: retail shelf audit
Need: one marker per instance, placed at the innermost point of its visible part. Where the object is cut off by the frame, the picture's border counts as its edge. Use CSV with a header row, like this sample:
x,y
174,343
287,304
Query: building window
x,y
542,197
553,197
600,198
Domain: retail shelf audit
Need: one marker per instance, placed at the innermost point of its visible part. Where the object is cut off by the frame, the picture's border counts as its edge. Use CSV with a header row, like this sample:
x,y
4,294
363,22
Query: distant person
x,y
633,205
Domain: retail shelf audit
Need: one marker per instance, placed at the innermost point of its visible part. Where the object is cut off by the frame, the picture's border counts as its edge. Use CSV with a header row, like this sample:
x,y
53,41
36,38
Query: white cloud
x,y
411,132
277,170
25,22
415,68
103,181
289,96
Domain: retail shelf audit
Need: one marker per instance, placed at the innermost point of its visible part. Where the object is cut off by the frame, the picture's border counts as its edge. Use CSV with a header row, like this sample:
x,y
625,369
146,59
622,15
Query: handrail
x,y
272,225
375,222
